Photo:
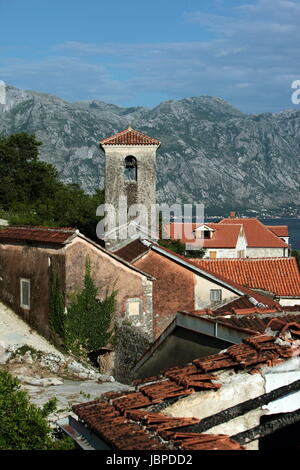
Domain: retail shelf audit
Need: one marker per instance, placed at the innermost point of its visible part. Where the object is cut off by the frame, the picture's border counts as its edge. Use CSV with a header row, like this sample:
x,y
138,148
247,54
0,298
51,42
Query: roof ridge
x,y
41,228
133,131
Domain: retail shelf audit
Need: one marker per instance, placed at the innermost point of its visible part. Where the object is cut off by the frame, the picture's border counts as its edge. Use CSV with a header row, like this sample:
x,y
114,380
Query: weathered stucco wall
x,y
202,292
266,252
134,290
173,288
236,388
278,376
34,263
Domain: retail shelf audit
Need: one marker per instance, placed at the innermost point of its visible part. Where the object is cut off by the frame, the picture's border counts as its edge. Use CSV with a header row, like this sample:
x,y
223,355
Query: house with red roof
x,y
200,333
152,283
276,277
179,284
262,241
29,256
244,397
232,238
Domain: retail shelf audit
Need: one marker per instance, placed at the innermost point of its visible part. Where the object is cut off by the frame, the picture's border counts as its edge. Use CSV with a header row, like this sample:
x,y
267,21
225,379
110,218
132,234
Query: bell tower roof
x,y
129,137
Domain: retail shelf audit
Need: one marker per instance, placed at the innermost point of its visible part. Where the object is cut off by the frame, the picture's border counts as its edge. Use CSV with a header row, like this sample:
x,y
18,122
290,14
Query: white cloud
x,y
251,62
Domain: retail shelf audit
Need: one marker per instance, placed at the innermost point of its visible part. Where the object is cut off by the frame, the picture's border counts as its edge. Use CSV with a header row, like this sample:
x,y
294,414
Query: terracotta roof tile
x,y
123,422
257,321
279,230
190,441
190,263
277,275
224,236
129,137
37,234
257,234
132,251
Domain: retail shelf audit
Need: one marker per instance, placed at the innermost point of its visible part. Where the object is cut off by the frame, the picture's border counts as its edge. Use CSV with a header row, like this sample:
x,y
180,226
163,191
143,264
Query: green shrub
x,y
22,425
57,306
88,320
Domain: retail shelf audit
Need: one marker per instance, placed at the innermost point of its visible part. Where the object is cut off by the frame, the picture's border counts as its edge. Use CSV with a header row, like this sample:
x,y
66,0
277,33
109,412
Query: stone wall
x,y
173,288
141,191
134,290
131,344
35,264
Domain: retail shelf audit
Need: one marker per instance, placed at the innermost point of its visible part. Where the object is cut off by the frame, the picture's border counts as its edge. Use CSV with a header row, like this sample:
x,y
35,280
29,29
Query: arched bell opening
x,y
130,168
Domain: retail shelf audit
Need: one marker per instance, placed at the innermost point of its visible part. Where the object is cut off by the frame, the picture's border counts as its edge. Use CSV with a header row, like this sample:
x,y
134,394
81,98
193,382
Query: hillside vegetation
x,y
32,194
211,153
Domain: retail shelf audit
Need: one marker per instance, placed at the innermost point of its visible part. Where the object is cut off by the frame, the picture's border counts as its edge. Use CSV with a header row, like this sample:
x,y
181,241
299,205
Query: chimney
x,y
232,215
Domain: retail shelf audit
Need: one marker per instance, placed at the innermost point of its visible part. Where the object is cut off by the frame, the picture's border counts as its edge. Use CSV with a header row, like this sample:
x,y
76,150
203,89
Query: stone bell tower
x,y
130,171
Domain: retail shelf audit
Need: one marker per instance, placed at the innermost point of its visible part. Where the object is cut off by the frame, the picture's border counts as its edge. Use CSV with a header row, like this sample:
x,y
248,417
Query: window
x,y
130,168
215,295
25,293
133,307
212,254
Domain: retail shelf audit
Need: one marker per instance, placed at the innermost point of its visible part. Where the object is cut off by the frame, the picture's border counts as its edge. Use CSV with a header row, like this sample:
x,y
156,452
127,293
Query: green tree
x,y
176,245
57,307
23,425
89,319
31,193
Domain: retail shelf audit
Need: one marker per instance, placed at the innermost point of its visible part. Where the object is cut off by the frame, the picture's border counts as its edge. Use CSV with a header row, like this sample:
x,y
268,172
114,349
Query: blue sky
x,y
139,53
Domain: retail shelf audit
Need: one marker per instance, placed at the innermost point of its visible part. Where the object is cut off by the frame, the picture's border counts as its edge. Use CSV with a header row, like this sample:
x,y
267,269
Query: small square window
x,y
215,295
25,293
133,307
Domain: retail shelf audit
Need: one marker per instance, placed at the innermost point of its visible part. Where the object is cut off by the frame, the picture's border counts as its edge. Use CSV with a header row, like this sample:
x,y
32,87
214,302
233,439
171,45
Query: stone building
x,y
130,174
201,333
245,397
181,285
276,277
30,255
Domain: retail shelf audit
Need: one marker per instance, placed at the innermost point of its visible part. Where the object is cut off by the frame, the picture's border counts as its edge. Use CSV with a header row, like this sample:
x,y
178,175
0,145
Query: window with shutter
x,y
25,293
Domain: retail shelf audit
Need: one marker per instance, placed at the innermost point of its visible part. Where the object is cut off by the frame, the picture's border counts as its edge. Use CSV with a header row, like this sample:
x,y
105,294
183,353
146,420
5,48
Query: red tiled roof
x,y
224,236
218,276
258,350
132,251
279,230
257,234
277,275
121,420
124,422
239,303
257,322
37,234
129,137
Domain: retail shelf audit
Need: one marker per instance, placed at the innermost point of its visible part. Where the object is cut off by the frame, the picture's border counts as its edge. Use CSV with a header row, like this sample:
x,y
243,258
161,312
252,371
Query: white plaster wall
x,y
222,253
202,292
265,252
290,301
281,375
236,388
241,243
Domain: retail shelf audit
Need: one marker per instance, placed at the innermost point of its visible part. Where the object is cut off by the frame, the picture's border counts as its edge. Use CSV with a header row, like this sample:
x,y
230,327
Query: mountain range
x,y
211,153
